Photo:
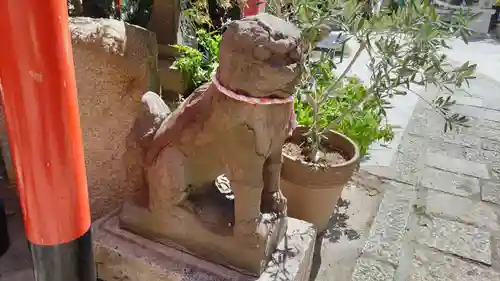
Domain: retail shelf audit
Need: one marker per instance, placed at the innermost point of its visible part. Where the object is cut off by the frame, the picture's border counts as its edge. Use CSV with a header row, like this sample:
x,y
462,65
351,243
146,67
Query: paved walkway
x,y
439,215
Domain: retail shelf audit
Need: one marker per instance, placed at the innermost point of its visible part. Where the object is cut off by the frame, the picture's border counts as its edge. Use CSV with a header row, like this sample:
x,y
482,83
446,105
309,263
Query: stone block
x,y
172,81
408,158
165,19
477,112
469,101
455,165
482,87
487,129
490,145
419,124
122,255
385,240
490,157
115,64
457,238
449,182
435,266
462,209
458,137
490,192
371,270
454,150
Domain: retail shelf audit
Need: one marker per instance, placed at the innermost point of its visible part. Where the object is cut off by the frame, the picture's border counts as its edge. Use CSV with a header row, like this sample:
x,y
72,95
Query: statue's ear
x,y
153,105
152,113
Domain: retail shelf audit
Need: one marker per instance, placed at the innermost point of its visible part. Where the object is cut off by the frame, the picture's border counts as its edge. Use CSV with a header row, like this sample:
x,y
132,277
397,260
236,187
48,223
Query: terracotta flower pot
x,y
313,193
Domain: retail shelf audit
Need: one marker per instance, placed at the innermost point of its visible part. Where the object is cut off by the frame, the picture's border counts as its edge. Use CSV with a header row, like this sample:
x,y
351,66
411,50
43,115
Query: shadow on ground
x,y
338,247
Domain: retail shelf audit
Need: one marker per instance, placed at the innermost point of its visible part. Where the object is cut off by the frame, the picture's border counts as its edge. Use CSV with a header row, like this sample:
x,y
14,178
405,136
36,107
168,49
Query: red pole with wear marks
x,y
37,80
254,7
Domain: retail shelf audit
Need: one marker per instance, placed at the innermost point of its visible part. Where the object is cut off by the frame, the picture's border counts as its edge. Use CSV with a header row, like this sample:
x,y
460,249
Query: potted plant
x,y
404,50
318,159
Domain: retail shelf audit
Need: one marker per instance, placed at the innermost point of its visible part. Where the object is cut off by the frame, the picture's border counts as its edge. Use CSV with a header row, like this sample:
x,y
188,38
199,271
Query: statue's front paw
x,y
279,203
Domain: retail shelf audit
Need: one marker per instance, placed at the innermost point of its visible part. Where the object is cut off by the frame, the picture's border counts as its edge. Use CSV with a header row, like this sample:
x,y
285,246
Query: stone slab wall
x,y
115,63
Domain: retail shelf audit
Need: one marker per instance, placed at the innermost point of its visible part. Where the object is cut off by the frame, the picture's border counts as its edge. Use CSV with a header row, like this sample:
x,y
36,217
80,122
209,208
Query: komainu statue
x,y
213,165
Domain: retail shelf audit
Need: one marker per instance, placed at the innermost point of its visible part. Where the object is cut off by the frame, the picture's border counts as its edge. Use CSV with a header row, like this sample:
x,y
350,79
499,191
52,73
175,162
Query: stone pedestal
x,y
210,236
122,255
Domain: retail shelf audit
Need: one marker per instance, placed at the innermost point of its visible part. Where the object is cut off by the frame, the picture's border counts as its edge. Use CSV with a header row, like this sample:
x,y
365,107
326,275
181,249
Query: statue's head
x,y
259,57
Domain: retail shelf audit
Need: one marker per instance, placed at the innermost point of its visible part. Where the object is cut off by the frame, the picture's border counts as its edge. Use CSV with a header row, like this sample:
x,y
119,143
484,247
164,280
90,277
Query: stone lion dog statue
x,y
213,165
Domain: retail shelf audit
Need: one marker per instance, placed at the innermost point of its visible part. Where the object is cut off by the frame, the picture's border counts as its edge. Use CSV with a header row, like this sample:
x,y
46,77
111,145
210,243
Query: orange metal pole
x,y
39,97
254,7
118,8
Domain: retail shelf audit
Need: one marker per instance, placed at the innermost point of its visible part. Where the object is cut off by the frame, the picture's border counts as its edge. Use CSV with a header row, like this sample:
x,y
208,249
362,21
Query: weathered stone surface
x,y
488,156
115,63
408,158
454,150
456,165
435,266
486,129
436,145
469,101
477,112
165,19
490,192
449,182
482,87
462,209
386,236
371,270
457,238
490,145
121,255
495,242
246,61
459,138
213,133
419,124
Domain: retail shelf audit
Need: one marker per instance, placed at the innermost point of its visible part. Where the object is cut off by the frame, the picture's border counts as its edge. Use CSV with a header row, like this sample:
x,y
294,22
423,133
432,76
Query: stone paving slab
x,y
454,150
496,251
462,210
406,165
477,112
490,145
486,129
456,165
491,192
385,240
450,182
371,270
434,266
457,238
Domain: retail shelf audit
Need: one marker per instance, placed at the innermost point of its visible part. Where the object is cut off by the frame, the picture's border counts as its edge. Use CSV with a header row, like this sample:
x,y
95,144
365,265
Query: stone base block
x,y
122,255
